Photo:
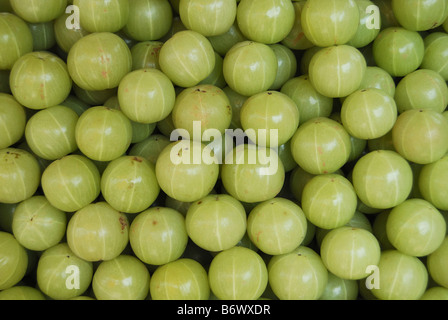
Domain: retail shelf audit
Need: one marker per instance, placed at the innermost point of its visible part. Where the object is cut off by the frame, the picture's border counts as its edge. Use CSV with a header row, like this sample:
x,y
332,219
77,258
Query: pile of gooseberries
x,y
137,159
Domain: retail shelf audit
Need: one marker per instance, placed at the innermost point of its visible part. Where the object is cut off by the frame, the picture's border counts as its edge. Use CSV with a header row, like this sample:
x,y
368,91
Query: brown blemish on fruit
x,y
258,235
154,222
199,202
123,223
137,159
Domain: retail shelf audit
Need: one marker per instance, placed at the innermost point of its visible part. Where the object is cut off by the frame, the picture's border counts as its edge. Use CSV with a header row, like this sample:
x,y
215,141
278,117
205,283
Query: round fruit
x,y
347,252
432,180
340,289
238,273
191,166
146,95
286,65
394,271
39,10
14,261
12,120
224,42
187,58
398,51
311,104
298,275
421,135
436,264
418,15
40,80
269,118
337,71
150,148
15,39
252,173
366,32
422,89
435,293
98,232
103,15
148,19
329,201
50,133
183,279
415,227
436,51
105,59
250,67
129,184
296,39
208,17
382,179
378,78
265,21
20,175
145,55
158,235
122,278
216,222
321,145
103,134
71,183
61,274
199,109
275,233
67,37
330,22
21,293
37,225
368,113
43,35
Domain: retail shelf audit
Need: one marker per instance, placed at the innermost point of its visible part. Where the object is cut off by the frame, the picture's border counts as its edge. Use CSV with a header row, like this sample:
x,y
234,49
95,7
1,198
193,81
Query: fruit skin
x,y
177,162
183,279
398,51
40,80
98,232
39,11
22,293
15,43
99,61
148,19
422,89
20,175
50,133
436,50
122,278
248,177
61,180
436,264
216,222
415,227
158,235
395,270
202,16
420,15
101,15
421,135
330,22
56,266
275,233
14,261
103,134
13,120
337,71
265,21
129,184
238,273
298,275
347,252
321,145
431,182
146,95
181,60
382,179
250,67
